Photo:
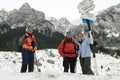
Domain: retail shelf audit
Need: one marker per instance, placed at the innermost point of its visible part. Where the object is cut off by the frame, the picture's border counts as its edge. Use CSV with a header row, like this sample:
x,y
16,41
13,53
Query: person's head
x,y
29,29
80,36
68,35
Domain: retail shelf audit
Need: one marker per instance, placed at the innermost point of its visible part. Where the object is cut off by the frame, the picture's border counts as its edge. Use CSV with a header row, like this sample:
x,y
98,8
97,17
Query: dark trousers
x,y
69,62
86,65
27,60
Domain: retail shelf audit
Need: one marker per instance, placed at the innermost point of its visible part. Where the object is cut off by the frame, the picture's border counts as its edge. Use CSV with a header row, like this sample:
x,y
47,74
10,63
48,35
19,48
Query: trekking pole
x,y
36,61
93,50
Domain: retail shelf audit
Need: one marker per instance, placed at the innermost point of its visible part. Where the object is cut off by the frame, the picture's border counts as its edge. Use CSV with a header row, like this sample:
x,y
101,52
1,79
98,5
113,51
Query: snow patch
x,y
10,65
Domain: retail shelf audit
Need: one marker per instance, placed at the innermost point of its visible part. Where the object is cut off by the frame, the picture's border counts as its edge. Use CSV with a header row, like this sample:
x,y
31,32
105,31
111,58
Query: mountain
x,y
19,17
109,19
107,24
106,31
44,26
13,24
24,15
62,25
3,15
106,28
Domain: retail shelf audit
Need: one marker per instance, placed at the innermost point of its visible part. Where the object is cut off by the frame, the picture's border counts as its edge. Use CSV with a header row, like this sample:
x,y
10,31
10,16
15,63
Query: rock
x,y
50,61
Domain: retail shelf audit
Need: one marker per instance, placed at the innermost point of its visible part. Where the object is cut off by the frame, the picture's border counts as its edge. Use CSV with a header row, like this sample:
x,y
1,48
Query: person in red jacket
x,y
67,49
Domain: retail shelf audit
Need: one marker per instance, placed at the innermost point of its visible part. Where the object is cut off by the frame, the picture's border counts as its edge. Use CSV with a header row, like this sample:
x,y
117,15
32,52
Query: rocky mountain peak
x,y
3,10
25,6
3,15
64,20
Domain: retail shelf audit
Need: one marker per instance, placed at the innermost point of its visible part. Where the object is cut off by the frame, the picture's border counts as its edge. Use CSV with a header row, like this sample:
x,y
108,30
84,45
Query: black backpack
x,y
20,43
92,46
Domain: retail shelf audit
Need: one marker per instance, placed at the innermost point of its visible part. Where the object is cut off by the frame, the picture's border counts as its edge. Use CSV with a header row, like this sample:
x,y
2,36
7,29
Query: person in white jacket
x,y
85,52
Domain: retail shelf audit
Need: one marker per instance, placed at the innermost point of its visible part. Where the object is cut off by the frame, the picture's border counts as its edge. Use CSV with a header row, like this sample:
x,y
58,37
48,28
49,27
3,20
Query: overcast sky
x,y
56,8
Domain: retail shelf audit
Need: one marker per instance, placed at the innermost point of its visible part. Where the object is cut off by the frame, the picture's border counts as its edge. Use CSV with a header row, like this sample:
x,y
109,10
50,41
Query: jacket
x,y
84,48
67,49
29,41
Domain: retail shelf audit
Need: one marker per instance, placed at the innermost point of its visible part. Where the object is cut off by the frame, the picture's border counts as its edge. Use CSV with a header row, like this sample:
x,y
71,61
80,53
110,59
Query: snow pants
x,y
69,62
27,61
86,65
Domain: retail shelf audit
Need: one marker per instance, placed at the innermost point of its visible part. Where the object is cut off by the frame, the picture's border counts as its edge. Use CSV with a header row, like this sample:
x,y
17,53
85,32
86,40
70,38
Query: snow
x,y
113,34
112,48
51,67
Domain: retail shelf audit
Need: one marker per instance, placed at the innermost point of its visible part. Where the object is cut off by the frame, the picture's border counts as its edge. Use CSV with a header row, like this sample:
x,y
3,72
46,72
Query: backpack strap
x,y
20,43
22,40
27,35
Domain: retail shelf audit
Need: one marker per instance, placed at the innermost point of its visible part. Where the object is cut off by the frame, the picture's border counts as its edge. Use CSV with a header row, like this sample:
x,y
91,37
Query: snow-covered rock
x,y
62,25
3,15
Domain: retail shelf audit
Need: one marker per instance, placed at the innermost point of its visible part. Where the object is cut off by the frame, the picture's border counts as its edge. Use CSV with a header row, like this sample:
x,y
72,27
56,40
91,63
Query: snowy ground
x,y
51,67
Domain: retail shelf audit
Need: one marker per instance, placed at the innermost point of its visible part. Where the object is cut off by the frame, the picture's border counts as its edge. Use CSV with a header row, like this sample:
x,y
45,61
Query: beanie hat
x,y
29,27
68,33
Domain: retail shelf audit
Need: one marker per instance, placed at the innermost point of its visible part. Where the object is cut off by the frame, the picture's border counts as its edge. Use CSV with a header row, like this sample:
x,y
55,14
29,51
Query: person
x,y
29,46
67,49
85,52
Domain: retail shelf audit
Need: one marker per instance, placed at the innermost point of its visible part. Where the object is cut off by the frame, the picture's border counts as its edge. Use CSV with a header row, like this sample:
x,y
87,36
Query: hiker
x,y
85,52
29,46
67,49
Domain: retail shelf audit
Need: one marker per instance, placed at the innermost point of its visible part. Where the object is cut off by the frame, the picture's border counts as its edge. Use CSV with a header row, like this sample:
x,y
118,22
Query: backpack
x,y
65,41
22,40
92,46
20,43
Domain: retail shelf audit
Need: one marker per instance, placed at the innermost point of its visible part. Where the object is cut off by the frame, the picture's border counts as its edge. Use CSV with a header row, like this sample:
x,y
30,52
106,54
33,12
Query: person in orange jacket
x,y
29,46
67,49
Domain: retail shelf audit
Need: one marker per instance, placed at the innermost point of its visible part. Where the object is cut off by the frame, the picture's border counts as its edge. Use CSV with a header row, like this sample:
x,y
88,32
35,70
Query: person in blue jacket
x,y
85,52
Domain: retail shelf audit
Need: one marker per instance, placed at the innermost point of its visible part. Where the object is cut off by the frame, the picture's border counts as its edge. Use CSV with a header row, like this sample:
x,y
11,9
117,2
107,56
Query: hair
x,y
81,34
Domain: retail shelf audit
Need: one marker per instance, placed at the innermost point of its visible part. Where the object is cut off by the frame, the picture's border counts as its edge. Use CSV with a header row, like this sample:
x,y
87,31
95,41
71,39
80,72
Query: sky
x,y
56,8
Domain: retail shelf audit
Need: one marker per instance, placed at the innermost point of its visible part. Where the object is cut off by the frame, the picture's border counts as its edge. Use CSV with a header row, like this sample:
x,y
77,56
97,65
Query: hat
x,y
68,33
29,27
